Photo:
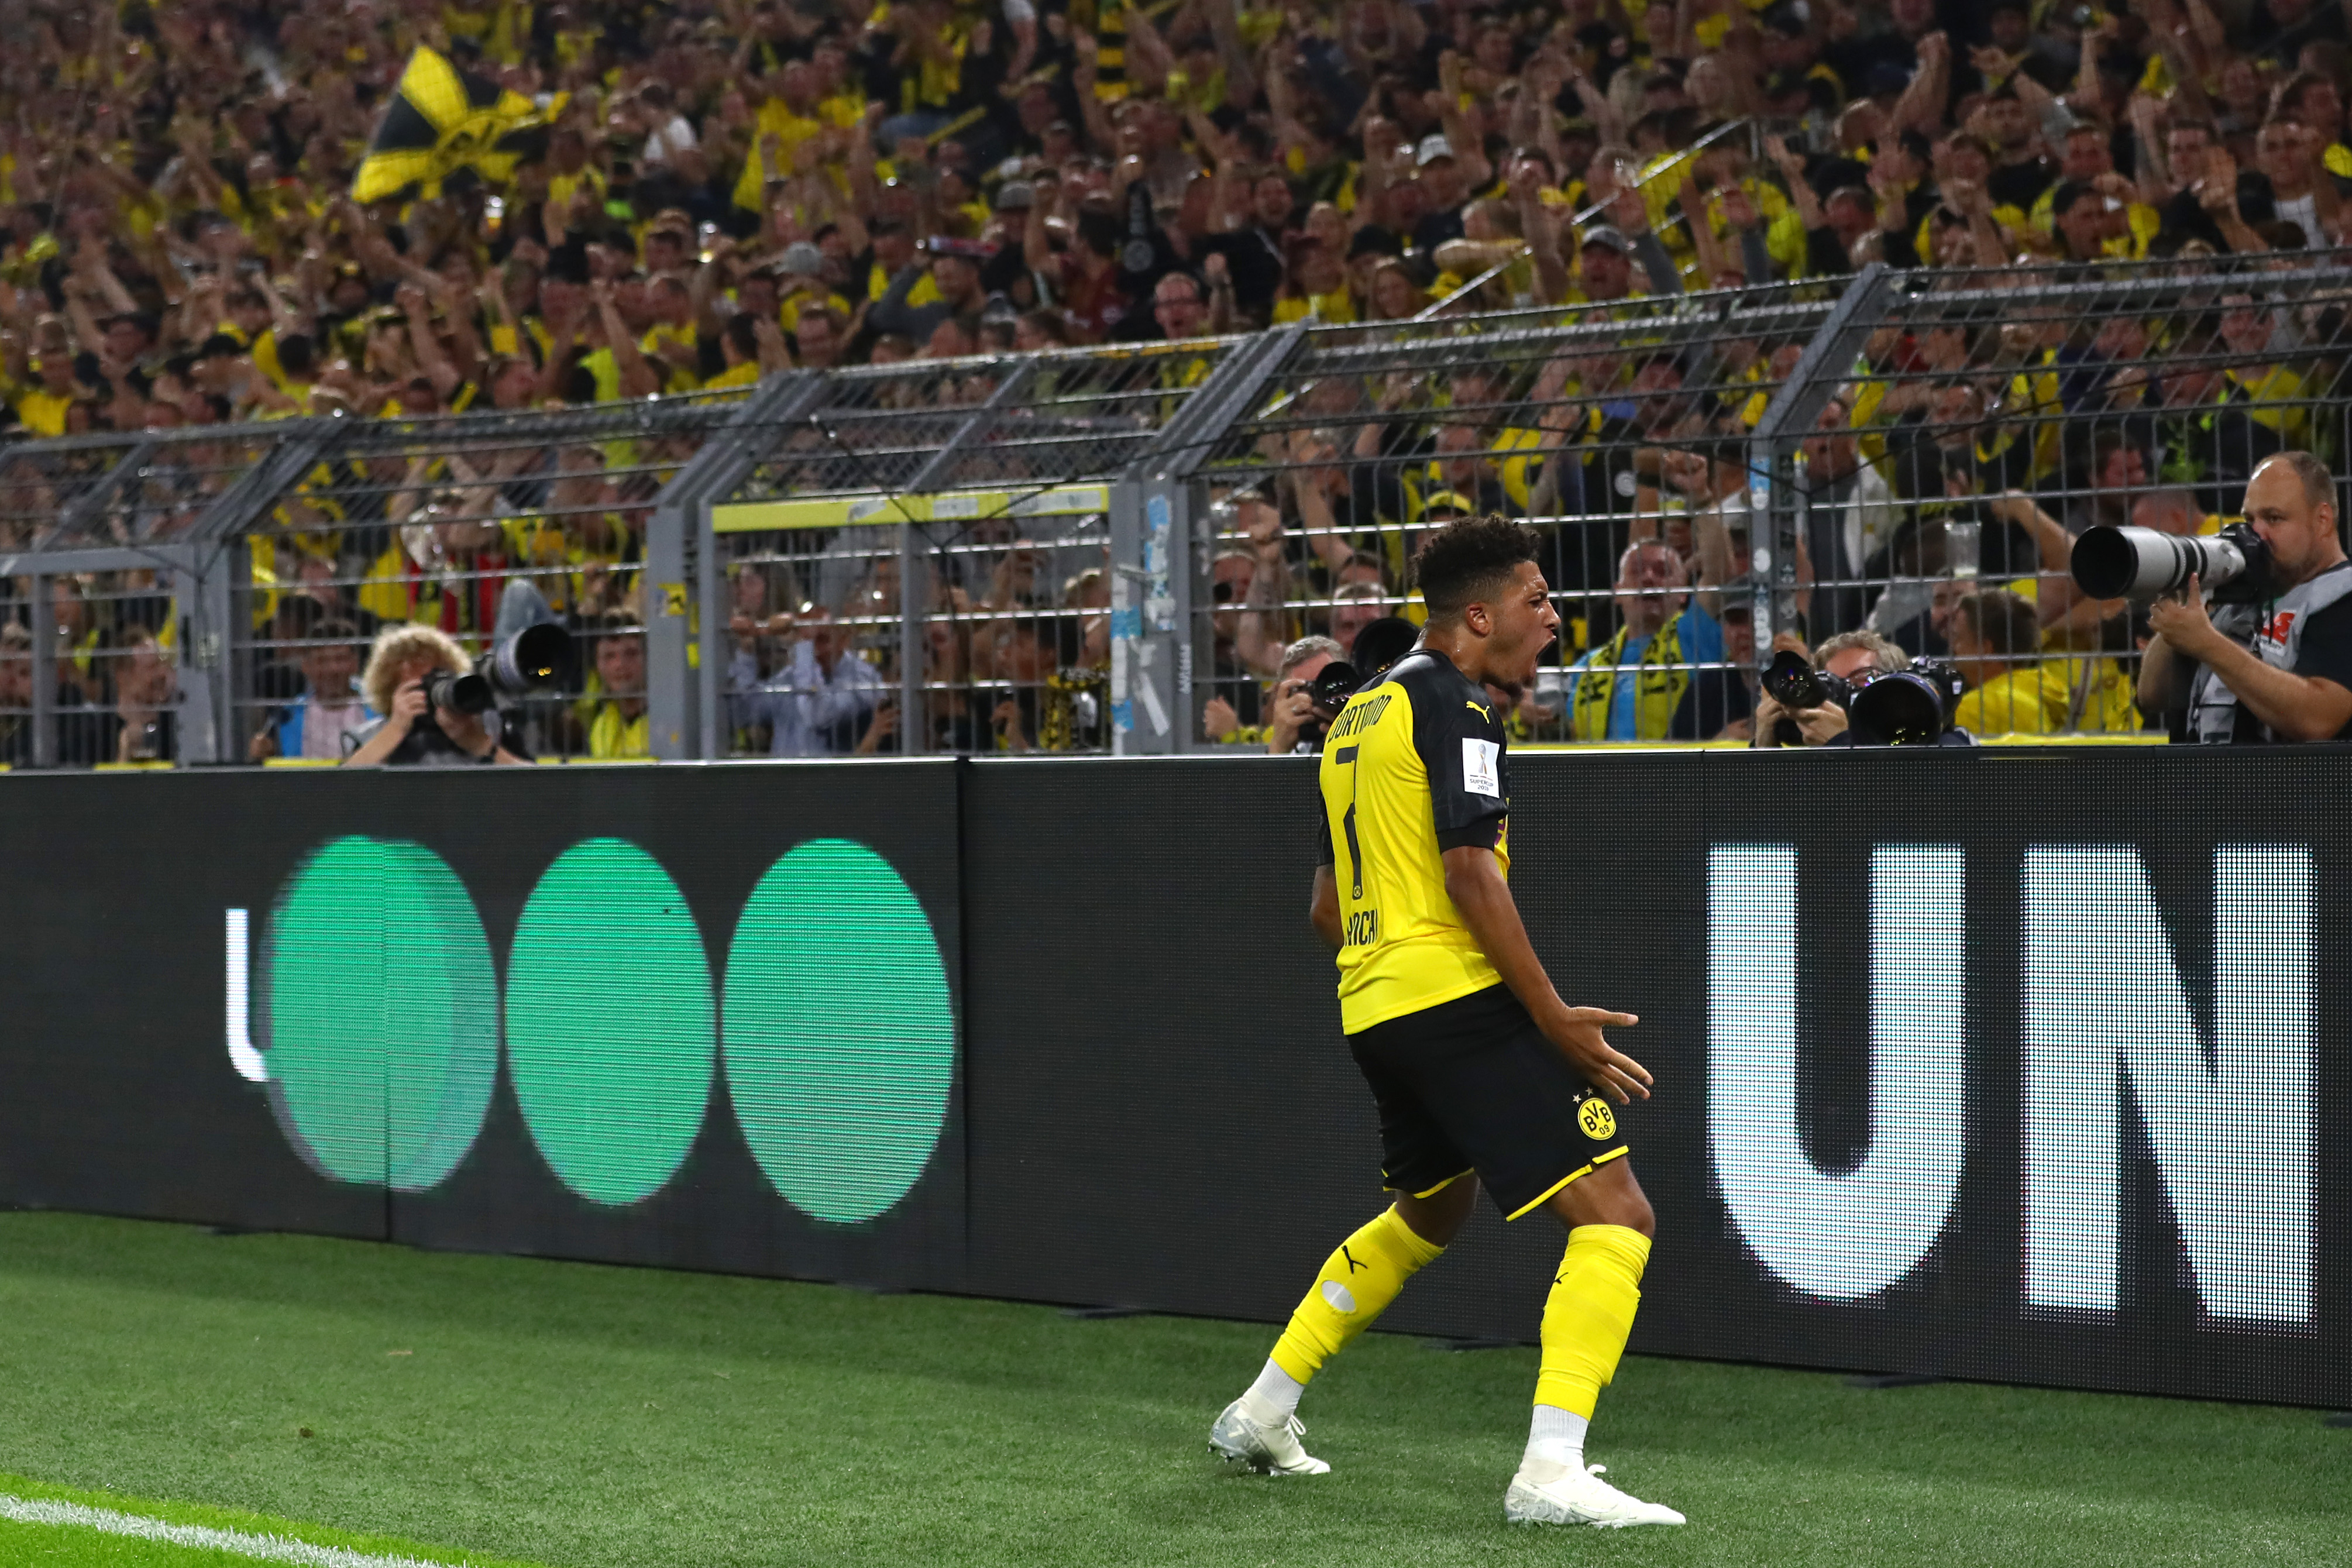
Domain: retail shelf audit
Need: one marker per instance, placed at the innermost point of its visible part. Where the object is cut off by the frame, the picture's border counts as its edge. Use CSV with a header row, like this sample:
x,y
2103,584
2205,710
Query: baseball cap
x,y
1016,196
1609,239
1433,147
800,259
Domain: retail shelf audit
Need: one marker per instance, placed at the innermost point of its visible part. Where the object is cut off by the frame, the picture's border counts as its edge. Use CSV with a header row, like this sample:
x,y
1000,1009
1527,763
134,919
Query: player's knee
x,y
1437,1217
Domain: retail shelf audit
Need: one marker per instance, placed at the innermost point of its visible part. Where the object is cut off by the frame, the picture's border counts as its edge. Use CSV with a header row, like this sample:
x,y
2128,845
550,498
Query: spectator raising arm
x,y
1542,231
1630,213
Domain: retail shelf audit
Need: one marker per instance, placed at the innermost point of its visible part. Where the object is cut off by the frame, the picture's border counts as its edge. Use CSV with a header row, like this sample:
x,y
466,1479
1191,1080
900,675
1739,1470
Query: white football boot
x,y
1269,1447
1547,1492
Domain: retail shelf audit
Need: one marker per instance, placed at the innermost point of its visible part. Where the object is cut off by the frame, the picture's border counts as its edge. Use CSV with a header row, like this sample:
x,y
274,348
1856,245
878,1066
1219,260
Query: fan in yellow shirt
x,y
42,407
618,728
1996,640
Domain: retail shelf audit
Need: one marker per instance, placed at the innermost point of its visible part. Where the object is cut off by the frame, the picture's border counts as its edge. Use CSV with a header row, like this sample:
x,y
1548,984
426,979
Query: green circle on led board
x,y
611,1029
384,1012
839,1038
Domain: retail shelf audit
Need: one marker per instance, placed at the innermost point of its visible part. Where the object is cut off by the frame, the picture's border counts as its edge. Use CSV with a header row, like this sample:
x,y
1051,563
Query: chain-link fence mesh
x,y
983,483
1619,431
941,528
102,509
430,523
1993,418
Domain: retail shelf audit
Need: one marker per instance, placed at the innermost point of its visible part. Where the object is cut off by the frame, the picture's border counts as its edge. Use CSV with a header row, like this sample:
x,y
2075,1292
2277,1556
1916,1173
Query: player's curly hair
x,y
1468,559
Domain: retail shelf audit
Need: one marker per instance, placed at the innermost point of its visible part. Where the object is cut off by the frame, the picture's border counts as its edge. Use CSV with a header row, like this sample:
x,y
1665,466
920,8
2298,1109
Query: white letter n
x,y
2105,1012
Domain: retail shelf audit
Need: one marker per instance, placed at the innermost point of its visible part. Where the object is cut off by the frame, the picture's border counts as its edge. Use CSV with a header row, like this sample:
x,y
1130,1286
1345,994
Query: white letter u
x,y
1849,1235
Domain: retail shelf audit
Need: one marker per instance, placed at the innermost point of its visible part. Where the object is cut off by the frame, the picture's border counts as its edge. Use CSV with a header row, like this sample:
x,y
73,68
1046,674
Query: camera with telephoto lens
x,y
529,653
2145,563
1328,692
1793,682
1908,706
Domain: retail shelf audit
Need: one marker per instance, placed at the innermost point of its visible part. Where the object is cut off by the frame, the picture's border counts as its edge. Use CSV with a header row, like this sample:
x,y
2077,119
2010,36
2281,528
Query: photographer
x,y
1846,659
2276,670
415,731
1295,725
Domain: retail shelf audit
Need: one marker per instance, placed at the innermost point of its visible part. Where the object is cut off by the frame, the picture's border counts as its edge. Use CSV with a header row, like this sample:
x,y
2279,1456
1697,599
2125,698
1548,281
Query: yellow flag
x,y
442,121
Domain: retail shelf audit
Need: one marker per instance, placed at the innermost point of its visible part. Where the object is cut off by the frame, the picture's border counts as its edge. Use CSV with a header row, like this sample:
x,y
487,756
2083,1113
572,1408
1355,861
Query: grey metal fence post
x,y
45,673
911,648
1146,717
673,718
200,611
217,565
1775,485
1161,651
708,676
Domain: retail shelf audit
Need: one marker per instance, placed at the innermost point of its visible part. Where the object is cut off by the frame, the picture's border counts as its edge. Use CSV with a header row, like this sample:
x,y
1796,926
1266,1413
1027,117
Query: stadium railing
x,y
947,525
395,520
1600,424
1947,431
1026,552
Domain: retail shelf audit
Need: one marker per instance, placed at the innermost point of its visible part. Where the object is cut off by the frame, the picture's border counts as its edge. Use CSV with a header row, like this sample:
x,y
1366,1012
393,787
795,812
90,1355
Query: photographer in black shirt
x,y
2279,669
416,732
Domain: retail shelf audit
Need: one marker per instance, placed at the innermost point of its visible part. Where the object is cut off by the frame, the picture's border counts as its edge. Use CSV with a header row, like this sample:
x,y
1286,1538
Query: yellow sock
x,y
1588,1313
1356,1283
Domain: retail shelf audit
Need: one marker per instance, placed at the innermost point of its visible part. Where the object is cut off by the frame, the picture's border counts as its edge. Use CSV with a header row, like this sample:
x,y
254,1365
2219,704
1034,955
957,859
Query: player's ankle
x,y
1554,1442
1274,1398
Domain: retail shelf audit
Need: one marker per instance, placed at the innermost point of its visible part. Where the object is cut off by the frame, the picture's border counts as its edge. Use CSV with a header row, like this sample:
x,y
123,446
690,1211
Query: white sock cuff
x,y
1555,1429
1275,1391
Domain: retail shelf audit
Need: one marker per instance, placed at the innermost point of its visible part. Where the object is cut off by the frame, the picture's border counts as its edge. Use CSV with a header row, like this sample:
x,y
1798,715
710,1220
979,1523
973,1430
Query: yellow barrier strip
x,y
953,506
2130,738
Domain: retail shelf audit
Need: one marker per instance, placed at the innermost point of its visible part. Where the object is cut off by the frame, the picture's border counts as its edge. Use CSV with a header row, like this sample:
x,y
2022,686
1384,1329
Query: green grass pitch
x,y
579,1416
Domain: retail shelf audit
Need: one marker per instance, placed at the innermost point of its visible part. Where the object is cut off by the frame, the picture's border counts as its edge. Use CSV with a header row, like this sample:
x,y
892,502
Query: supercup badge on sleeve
x,y
1481,768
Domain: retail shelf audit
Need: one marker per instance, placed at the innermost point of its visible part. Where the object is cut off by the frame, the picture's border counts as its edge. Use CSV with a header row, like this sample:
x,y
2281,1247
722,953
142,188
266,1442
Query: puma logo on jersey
x,y
1477,710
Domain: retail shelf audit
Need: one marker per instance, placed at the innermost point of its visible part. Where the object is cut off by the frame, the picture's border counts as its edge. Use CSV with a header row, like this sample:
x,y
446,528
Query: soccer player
x,y
1481,1073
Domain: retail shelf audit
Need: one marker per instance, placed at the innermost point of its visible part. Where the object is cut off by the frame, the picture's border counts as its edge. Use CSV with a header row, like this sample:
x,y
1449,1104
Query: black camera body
x,y
1328,692
1792,682
1908,706
456,692
525,664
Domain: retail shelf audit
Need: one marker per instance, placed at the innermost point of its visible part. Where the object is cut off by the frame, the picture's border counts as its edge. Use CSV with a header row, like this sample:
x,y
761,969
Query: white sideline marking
x,y
247,1061
264,1548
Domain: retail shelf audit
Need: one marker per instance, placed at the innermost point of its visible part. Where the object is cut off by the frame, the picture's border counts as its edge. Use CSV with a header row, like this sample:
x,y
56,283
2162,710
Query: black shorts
x,y
1473,1085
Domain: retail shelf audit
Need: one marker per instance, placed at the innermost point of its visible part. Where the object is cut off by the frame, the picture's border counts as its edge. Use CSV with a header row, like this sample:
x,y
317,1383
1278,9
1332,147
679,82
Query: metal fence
x,y
1129,549
1619,431
1954,432
427,523
918,559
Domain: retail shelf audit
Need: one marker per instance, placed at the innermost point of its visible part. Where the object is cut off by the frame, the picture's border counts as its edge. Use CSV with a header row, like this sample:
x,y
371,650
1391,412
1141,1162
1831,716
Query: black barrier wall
x,y
692,1018
2010,1064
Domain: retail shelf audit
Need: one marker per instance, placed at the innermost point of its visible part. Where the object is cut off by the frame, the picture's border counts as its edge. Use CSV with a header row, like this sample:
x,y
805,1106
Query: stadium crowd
x,y
731,188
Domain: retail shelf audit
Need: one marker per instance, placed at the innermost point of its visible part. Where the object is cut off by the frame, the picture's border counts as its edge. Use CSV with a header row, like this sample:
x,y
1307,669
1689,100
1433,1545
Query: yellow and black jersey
x,y
1414,766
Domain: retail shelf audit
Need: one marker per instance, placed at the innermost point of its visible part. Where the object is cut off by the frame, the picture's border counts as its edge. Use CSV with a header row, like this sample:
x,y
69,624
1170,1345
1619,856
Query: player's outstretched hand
x,y
1577,1031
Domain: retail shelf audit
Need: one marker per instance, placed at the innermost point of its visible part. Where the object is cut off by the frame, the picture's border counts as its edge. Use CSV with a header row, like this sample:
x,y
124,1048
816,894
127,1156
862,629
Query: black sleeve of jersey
x,y
1461,739
2325,651
1323,856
